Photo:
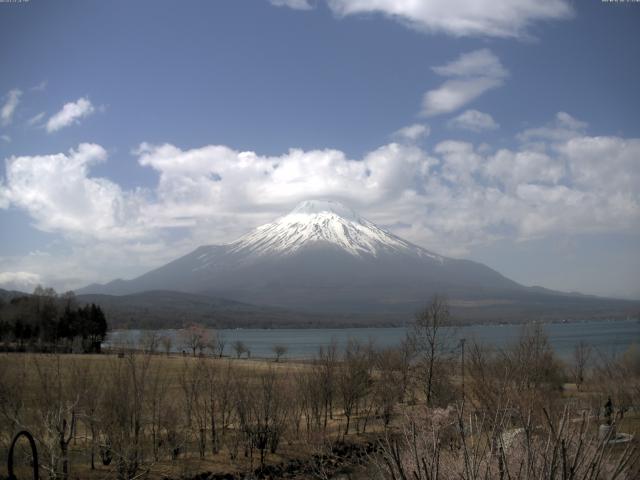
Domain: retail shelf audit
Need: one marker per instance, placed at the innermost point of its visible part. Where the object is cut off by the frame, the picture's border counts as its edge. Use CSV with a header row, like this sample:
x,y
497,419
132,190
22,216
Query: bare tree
x,y
536,367
149,341
212,384
618,377
13,377
581,355
353,379
240,348
326,367
90,387
406,357
432,336
490,377
224,397
167,342
188,380
195,338
262,412
310,393
202,407
58,409
211,344
279,351
562,448
157,408
221,343
389,385
123,413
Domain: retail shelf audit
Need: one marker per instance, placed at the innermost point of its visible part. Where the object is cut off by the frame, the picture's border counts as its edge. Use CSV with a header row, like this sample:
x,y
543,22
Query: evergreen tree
x,y
45,320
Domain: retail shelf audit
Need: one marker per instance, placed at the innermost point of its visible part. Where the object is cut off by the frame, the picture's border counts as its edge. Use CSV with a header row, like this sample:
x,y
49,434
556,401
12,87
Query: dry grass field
x,y
172,401
134,414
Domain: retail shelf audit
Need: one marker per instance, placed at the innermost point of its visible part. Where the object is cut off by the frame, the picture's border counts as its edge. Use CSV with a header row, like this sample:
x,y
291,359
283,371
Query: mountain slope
x,y
170,309
320,257
324,258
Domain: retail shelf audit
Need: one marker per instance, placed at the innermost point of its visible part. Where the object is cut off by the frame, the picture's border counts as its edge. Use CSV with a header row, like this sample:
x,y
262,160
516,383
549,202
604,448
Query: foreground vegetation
x,y
430,408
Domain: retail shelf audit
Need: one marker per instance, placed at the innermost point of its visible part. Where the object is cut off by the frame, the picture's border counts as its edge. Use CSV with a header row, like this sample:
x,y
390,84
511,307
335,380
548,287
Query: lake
x,y
606,337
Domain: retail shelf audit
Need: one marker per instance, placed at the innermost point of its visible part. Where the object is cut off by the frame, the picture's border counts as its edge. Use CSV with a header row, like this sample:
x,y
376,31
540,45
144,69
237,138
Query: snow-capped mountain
x,y
323,223
320,256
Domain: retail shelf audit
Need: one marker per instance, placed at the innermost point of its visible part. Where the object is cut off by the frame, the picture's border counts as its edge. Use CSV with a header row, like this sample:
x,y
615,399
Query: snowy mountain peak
x,y
312,207
316,223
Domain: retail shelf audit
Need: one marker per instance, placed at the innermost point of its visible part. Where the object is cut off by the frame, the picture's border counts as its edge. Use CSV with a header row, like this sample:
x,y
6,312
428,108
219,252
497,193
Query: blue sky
x,y
132,132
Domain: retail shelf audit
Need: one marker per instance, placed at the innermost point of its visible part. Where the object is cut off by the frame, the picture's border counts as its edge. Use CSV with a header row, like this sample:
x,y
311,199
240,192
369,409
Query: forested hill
x,y
46,321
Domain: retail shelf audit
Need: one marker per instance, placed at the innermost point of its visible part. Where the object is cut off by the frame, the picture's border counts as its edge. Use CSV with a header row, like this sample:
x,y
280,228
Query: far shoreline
x,y
356,325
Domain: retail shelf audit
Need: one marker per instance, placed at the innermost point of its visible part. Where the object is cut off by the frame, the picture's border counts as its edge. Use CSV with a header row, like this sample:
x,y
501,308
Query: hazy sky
x,y
505,132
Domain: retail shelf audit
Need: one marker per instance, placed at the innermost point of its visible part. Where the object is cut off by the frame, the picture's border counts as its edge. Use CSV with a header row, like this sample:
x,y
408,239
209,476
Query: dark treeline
x,y
46,321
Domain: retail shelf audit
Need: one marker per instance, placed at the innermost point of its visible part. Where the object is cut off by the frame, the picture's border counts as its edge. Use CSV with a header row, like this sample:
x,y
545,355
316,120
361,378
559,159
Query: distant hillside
x,y
7,295
169,309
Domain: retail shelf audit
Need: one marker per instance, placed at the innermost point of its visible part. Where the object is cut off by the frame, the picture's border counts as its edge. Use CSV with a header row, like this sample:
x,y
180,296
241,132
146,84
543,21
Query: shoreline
x,y
391,325
610,336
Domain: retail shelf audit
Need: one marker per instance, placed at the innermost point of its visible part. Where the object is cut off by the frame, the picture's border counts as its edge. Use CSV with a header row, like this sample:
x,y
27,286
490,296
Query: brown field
x,y
148,415
26,377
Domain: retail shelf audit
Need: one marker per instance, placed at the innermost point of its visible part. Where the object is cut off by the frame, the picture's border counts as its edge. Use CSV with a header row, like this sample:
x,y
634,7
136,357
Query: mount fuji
x,y
324,257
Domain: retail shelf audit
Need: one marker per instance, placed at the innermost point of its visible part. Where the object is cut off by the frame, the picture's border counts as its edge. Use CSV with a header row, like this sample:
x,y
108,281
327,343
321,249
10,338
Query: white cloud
x,y
10,105
455,195
449,198
471,75
605,164
41,87
479,63
459,18
6,138
413,132
474,121
562,128
22,281
4,196
510,169
59,195
36,119
295,4
70,113
193,180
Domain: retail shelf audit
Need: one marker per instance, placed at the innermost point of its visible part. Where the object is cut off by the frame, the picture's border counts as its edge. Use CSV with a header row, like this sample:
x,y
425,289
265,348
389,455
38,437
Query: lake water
x,y
606,337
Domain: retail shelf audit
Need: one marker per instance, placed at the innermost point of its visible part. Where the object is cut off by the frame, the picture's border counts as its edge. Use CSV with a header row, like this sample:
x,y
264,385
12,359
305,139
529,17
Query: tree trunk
x,y
430,376
93,447
65,460
214,434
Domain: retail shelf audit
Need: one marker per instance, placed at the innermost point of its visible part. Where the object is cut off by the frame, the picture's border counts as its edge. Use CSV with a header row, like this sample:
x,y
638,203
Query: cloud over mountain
x,y
448,198
22,281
